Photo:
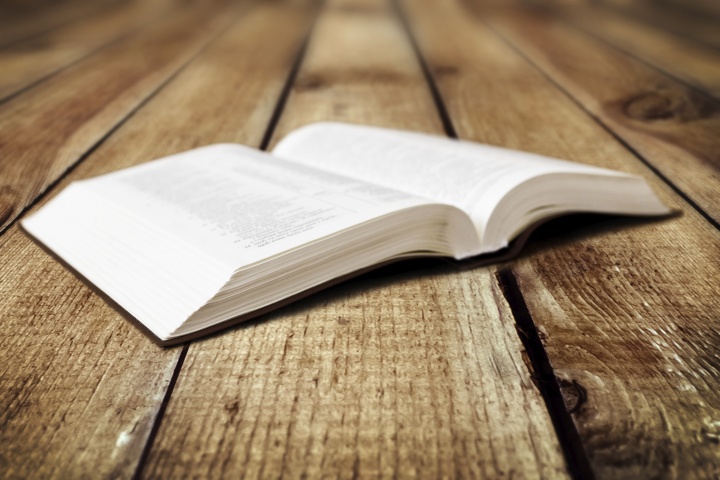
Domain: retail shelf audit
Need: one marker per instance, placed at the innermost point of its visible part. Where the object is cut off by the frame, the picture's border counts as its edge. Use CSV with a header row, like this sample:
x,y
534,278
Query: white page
x,y
470,176
242,205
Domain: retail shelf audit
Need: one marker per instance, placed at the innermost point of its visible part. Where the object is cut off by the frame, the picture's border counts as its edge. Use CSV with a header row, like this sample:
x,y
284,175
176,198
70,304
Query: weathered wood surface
x,y
21,20
80,386
395,374
628,311
366,74
694,63
406,375
674,127
702,29
50,128
29,61
701,8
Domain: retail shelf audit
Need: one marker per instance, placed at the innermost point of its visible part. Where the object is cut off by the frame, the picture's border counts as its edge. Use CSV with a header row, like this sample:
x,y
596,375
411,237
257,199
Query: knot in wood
x,y
656,106
442,70
666,104
574,394
308,82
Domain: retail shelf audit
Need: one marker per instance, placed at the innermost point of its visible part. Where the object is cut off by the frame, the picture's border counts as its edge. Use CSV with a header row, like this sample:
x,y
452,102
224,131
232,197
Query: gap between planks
x,y
544,376
161,412
447,123
267,136
287,88
546,382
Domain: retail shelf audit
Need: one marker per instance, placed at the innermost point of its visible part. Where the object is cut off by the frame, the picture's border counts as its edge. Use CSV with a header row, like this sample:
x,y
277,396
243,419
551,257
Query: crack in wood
x,y
560,403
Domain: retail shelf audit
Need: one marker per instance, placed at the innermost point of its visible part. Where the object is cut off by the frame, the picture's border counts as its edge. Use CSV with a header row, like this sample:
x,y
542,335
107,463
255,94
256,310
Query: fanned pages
x,y
201,239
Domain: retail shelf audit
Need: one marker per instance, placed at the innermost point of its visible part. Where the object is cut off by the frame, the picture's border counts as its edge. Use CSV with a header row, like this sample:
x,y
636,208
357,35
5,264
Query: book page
x,y
243,205
470,176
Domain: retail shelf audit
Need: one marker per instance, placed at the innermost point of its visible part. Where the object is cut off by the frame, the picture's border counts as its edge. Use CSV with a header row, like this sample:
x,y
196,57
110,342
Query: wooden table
x,y
597,352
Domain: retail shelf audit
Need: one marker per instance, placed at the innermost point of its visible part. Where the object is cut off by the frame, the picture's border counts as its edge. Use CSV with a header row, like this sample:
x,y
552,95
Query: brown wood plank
x,y
674,127
29,61
362,89
20,20
696,64
627,309
80,386
416,374
47,130
701,29
704,8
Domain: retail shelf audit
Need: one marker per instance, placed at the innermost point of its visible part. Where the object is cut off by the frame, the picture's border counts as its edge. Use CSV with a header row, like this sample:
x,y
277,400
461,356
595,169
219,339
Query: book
x,y
193,242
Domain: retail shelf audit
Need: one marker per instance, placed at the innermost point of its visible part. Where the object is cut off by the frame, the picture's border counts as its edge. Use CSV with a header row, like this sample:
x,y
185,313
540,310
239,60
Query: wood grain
x,y
27,62
695,64
80,386
627,309
355,89
694,27
47,130
407,374
702,8
20,20
379,377
674,127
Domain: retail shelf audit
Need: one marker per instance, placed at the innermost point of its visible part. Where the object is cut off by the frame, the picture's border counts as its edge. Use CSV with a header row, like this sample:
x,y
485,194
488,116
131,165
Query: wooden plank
x,y
626,309
704,8
24,19
331,86
408,374
689,61
672,126
49,129
80,386
694,27
701,29
29,61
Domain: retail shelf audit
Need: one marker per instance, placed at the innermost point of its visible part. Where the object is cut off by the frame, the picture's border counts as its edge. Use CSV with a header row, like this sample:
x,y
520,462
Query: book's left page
x,y
162,238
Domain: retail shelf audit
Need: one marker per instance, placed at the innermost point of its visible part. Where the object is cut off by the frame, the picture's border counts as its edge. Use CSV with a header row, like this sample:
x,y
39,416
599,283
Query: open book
x,y
194,241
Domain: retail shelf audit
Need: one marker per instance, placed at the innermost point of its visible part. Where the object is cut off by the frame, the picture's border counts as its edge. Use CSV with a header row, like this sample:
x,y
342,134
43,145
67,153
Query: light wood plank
x,y
627,310
29,61
674,127
49,129
411,374
357,89
689,61
80,386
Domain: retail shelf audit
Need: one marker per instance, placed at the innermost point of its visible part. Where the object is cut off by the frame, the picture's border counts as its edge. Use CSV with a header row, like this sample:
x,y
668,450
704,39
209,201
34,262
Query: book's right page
x,y
502,190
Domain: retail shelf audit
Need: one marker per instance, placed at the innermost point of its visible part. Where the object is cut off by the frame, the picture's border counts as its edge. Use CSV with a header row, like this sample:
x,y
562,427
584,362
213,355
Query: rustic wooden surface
x,y
682,58
39,56
401,376
20,19
602,302
597,352
691,25
81,387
